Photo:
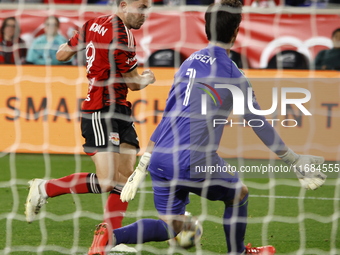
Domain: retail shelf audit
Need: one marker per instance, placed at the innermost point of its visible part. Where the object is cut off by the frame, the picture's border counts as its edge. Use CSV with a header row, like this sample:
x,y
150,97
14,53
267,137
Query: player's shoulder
x,y
225,66
202,59
123,35
236,70
102,20
213,59
212,55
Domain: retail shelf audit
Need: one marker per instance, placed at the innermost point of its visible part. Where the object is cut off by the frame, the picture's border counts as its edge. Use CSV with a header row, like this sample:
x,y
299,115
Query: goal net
x,y
276,49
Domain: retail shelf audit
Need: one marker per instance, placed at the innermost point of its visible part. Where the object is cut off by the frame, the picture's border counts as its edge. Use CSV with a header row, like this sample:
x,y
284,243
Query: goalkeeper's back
x,y
186,134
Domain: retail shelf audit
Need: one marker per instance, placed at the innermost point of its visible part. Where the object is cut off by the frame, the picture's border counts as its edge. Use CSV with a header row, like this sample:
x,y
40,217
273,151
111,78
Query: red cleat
x,y
262,250
100,240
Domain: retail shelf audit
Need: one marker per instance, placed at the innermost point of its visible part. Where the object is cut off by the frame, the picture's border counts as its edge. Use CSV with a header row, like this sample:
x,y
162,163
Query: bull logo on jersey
x,y
114,138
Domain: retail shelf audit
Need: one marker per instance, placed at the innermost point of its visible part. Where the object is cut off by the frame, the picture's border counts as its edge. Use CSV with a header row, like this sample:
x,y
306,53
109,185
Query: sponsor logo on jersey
x,y
114,138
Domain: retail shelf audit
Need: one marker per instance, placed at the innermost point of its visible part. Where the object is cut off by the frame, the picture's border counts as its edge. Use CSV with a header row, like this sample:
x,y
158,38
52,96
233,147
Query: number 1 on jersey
x,y
192,75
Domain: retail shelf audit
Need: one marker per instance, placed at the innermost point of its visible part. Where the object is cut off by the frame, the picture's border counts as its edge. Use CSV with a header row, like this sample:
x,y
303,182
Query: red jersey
x,y
110,50
9,51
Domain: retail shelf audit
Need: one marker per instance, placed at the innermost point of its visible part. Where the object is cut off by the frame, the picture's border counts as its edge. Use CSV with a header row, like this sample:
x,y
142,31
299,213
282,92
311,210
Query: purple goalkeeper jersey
x,y
188,134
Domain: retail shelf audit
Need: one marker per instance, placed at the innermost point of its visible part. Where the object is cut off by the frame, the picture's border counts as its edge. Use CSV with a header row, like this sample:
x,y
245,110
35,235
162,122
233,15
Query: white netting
x,y
39,112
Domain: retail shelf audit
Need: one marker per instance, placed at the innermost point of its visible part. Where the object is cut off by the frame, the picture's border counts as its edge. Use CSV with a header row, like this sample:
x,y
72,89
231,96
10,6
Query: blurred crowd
x,y
42,49
253,3
13,49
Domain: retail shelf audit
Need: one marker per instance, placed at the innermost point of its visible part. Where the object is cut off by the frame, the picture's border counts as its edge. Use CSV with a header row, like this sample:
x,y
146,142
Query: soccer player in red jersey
x,y
110,136
187,139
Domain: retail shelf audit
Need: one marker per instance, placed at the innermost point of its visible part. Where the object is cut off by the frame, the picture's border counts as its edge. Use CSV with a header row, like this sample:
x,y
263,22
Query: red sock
x,y
114,211
77,183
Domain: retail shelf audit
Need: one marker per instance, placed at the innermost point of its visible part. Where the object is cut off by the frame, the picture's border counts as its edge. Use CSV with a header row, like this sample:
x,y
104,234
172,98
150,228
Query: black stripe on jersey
x,y
132,68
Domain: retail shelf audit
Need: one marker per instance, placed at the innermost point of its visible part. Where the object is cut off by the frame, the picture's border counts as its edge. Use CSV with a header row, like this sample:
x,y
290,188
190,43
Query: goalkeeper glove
x,y
309,176
135,179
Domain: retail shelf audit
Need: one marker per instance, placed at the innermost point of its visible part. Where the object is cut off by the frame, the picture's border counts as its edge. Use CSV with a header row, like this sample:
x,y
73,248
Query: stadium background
x,y
55,127
39,116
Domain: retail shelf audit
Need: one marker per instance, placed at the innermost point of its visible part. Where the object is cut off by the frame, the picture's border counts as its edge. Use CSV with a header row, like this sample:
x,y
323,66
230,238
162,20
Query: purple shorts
x,y
171,197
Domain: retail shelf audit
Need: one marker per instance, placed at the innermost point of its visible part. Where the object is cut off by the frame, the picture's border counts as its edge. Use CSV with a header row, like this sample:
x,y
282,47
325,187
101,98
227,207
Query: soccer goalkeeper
x,y
187,138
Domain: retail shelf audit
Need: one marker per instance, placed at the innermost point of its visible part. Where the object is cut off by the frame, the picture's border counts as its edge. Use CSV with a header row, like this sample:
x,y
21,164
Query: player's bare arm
x,y
65,53
136,81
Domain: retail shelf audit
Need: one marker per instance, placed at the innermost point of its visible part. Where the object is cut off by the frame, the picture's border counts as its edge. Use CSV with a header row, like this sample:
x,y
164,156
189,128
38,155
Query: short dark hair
x,y
335,31
222,19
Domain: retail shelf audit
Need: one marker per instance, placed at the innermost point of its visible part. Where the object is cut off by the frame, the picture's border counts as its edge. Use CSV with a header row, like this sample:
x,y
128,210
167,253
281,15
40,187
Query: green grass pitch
x,y
277,213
